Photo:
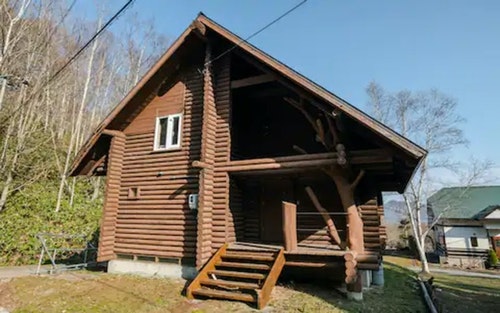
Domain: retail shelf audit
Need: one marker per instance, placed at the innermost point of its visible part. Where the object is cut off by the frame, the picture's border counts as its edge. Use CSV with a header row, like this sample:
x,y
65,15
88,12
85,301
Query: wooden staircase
x,y
240,275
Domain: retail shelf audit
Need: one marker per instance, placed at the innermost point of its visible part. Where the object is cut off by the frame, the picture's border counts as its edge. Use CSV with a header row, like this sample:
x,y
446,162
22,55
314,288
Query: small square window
x,y
473,241
134,193
168,132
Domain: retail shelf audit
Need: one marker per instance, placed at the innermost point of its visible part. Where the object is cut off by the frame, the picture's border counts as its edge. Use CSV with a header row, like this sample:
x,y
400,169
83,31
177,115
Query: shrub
x,y
31,211
492,258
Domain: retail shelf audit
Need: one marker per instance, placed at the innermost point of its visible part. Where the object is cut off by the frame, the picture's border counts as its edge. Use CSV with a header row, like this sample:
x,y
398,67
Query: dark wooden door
x,y
273,192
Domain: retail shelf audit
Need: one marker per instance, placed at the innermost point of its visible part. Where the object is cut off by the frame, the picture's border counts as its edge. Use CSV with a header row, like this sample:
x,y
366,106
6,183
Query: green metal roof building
x,y
468,226
462,202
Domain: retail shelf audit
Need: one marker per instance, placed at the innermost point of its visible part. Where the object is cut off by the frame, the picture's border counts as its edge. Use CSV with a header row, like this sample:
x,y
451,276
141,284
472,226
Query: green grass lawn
x,y
90,292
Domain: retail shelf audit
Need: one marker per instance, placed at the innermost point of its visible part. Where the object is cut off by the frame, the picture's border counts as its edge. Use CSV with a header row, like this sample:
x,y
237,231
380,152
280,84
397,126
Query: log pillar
x,y
289,211
353,277
207,156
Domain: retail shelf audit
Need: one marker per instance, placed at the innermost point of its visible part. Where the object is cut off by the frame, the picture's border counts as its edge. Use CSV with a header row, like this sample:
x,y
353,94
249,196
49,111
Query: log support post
x,y
206,163
289,211
332,230
352,277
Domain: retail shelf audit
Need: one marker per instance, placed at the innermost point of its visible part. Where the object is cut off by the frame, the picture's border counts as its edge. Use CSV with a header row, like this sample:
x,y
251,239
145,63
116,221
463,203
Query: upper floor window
x,y
168,132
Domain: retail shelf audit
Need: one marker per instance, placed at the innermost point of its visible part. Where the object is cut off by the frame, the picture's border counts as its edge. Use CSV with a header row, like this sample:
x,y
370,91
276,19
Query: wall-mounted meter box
x,y
193,201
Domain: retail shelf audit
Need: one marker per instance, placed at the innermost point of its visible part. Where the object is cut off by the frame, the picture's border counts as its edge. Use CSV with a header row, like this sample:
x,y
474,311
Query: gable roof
x,y
487,211
464,202
336,102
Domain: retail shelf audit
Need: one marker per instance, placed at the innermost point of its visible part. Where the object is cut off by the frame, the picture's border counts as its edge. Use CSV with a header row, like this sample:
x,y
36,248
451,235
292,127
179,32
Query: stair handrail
x,y
203,273
264,293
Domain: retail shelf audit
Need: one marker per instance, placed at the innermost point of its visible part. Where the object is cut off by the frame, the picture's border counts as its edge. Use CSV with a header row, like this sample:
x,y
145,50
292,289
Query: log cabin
x,y
227,166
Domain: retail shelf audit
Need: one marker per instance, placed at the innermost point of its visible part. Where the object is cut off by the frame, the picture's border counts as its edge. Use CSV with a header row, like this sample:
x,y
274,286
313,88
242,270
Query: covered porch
x,y
309,256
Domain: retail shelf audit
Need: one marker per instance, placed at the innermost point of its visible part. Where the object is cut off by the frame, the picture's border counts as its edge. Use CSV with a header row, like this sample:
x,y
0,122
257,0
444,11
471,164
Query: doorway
x,y
273,193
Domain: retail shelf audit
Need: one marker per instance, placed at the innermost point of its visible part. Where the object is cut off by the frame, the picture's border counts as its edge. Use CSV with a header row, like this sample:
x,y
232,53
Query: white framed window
x,y
168,132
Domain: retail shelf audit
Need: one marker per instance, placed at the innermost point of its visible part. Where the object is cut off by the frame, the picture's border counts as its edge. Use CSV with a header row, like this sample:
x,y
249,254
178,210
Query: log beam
x,y
253,80
306,160
96,164
199,164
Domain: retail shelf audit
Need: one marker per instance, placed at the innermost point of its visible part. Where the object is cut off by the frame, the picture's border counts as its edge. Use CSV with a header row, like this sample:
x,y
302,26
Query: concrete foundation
x,y
356,296
366,278
151,269
378,276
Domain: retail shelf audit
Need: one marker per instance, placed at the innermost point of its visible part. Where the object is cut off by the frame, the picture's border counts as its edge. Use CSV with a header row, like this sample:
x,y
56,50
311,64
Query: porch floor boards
x,y
302,249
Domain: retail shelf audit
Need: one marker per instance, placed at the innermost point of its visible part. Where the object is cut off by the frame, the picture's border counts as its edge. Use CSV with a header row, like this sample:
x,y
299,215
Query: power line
x,y
257,32
123,8
73,58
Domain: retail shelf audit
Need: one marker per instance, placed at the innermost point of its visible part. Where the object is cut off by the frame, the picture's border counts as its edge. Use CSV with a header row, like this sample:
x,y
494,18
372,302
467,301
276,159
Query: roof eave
x,y
407,145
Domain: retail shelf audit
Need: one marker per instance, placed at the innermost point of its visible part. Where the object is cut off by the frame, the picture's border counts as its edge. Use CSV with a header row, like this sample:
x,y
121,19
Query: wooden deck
x,y
315,256
302,249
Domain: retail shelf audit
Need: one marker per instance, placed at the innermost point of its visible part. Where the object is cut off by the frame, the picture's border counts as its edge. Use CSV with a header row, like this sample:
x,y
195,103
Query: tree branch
x,y
358,179
300,107
332,230
333,130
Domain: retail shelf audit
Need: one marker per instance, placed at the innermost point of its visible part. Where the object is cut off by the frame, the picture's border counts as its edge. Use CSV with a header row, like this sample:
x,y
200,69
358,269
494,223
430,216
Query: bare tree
x,y
42,124
430,119
12,16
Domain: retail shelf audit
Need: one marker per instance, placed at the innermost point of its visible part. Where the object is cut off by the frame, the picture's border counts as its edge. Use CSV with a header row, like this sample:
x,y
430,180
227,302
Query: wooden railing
x,y
289,211
290,229
265,292
203,274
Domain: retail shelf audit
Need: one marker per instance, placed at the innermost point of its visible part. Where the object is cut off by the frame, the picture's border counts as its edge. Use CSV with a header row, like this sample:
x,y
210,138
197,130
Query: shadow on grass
x,y
467,294
127,292
432,258
400,294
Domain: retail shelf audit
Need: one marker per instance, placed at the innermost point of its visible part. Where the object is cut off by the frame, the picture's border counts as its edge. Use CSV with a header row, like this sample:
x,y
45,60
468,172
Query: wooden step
x,y
252,266
229,283
314,264
234,266
269,253
248,256
220,294
237,274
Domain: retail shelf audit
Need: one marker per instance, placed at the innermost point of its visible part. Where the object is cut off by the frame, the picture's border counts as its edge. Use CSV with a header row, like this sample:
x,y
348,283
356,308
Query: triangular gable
x,y
199,25
494,214
491,212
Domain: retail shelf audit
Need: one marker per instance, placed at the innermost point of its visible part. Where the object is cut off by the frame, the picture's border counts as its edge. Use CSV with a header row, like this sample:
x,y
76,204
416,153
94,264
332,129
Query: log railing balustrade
x,y
290,230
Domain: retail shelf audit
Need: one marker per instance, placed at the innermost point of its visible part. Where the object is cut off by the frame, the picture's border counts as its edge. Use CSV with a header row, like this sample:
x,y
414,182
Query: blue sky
x,y
453,46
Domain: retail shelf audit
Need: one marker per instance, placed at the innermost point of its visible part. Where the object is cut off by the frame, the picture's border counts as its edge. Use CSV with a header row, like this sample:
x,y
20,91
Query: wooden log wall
x,y
236,211
223,219
158,222
206,190
108,222
373,231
